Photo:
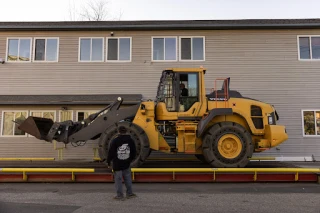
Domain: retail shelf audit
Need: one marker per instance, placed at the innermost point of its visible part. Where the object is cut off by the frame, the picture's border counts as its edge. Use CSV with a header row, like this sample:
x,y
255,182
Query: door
x,y
189,94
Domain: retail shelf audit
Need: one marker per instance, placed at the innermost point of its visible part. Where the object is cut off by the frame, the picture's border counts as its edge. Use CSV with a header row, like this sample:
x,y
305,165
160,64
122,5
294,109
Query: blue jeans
x,y
126,174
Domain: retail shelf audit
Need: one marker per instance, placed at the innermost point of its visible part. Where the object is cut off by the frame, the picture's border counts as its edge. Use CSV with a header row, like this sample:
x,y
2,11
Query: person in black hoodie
x,y
122,152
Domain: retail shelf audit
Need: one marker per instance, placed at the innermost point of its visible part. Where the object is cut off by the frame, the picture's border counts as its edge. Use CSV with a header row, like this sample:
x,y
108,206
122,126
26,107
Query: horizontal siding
x,y
262,65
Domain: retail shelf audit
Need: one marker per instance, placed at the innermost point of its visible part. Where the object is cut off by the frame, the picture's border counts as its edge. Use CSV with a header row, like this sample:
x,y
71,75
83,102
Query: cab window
x,y
189,91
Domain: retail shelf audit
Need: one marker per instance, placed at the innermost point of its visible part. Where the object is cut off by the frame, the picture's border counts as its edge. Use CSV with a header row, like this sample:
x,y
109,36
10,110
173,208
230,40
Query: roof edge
x,y
164,24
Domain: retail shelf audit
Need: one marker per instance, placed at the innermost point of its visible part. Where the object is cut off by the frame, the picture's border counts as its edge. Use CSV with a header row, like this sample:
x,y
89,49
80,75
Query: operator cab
x,y
178,94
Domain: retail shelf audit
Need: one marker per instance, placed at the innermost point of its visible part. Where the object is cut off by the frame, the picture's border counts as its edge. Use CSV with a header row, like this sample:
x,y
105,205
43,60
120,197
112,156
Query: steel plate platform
x,y
159,171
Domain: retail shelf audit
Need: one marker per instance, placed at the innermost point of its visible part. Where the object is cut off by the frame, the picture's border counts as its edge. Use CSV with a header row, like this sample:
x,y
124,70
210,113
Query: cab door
x,y
189,96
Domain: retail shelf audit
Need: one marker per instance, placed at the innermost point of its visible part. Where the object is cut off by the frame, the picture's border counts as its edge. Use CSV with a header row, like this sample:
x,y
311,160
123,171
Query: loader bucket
x,y
38,127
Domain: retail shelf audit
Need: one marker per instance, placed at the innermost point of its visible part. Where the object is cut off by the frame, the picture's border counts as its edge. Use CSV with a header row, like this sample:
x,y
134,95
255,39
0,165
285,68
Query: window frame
x,y
310,46
315,122
164,37
2,120
7,49
79,50
118,61
45,51
191,37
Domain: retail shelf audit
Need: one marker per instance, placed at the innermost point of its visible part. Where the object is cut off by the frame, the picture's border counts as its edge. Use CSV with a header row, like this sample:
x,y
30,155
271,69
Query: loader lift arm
x,y
71,132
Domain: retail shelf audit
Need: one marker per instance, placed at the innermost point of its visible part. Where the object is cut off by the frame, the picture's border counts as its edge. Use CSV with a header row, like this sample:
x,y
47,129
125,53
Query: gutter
x,y
162,27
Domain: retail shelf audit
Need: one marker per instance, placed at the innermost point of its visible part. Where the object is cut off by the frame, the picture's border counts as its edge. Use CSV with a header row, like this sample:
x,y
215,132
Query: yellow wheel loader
x,y
221,128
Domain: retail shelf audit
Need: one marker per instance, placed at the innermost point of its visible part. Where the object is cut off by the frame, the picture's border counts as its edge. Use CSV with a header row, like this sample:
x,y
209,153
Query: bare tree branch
x,y
119,17
95,10
72,11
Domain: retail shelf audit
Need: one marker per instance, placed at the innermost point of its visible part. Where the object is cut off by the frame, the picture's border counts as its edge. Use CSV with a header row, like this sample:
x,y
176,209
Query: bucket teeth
x,y
38,127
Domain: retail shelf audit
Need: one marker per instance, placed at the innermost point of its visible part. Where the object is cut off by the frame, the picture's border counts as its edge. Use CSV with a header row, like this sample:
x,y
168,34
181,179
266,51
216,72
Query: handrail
x,y
53,170
194,170
226,170
27,159
46,170
225,93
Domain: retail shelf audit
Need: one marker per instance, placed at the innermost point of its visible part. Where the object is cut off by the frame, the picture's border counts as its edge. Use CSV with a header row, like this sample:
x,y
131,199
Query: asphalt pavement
x,y
191,197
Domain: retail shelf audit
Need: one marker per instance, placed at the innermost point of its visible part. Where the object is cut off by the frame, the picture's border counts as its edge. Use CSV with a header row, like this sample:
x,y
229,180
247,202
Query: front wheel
x,y
227,145
137,134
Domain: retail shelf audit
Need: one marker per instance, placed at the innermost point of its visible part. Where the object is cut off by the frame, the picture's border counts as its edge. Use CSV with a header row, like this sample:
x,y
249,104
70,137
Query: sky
x,y
59,10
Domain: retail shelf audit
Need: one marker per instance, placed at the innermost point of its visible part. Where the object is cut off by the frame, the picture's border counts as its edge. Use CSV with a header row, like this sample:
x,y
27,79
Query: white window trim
x,y
164,60
59,117
204,48
310,45
45,50
7,48
2,120
90,61
315,119
118,61
86,110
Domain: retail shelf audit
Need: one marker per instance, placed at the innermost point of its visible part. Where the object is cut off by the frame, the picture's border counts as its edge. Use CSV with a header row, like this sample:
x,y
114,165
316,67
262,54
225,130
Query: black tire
x,y
137,134
201,158
211,151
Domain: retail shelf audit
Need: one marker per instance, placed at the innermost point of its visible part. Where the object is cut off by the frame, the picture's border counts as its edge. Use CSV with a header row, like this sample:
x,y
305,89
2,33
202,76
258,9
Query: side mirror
x,y
2,61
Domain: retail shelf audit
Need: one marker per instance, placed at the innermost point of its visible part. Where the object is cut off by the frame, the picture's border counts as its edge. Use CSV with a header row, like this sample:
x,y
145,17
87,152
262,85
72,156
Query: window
x,y
189,90
46,49
192,48
311,122
10,128
81,115
19,49
118,49
164,49
91,49
309,47
65,115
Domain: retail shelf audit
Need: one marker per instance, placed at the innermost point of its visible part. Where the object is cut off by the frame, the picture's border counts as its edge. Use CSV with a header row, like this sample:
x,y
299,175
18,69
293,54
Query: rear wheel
x,y
228,145
138,135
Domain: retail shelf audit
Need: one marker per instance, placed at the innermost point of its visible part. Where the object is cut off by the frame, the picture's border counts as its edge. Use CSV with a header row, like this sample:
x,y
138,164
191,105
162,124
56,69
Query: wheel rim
x,y
229,146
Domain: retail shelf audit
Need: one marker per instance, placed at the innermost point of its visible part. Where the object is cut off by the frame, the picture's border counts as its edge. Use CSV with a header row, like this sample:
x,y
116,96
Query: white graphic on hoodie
x,y
123,152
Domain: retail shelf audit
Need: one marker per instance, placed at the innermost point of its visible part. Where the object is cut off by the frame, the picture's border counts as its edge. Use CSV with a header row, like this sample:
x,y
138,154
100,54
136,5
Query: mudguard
x,y
212,113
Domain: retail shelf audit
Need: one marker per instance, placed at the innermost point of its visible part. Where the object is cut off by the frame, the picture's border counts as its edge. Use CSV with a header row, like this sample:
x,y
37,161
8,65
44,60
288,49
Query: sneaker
x,y
118,198
131,196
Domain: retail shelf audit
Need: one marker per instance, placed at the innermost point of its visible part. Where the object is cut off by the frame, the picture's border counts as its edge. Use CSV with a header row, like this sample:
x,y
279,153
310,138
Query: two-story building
x,y
67,70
